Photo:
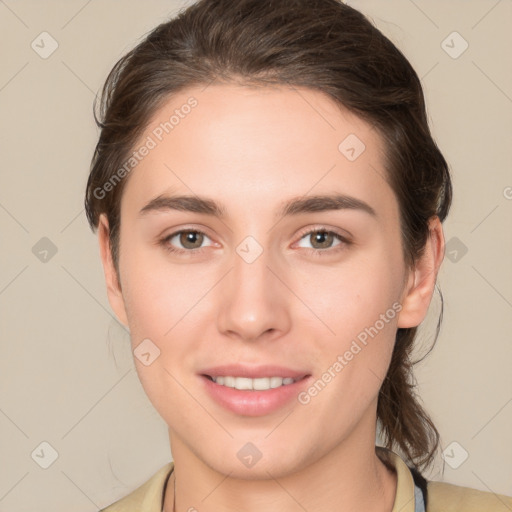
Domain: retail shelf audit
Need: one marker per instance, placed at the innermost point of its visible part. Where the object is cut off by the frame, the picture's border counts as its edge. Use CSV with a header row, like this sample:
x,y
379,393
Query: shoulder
x,y
444,497
147,497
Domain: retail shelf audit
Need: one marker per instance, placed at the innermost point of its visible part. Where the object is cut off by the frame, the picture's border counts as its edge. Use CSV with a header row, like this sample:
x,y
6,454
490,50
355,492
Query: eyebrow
x,y
295,206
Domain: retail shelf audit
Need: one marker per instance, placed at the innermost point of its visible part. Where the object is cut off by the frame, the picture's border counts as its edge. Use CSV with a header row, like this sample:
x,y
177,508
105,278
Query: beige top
x,y
442,497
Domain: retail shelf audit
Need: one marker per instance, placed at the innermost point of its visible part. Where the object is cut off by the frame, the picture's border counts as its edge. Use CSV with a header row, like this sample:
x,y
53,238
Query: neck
x,y
350,477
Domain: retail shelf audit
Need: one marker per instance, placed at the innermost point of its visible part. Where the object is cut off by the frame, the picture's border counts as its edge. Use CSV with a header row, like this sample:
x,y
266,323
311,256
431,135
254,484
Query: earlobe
x,y
114,293
422,278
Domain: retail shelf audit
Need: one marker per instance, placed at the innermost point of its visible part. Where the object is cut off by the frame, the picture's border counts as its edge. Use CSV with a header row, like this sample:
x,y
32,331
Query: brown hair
x,y
320,44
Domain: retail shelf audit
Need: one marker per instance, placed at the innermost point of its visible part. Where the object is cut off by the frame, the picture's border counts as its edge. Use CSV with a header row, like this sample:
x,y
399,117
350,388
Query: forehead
x,y
255,146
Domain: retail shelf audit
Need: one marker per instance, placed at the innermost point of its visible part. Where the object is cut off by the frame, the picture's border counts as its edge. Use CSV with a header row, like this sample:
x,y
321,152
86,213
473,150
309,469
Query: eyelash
x,y
165,242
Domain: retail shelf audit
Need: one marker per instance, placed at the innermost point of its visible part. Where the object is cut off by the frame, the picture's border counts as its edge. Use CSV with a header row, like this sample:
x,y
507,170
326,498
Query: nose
x,y
254,302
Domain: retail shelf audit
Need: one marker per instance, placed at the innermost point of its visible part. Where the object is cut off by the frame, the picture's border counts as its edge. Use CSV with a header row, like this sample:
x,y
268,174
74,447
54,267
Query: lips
x,y
253,402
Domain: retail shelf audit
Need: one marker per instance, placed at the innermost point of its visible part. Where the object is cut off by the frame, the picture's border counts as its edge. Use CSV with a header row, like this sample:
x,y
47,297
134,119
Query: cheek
x,y
351,296
359,309
158,295
163,304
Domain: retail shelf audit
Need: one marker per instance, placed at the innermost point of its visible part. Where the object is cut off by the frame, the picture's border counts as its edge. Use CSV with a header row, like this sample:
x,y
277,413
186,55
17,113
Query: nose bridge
x,y
252,299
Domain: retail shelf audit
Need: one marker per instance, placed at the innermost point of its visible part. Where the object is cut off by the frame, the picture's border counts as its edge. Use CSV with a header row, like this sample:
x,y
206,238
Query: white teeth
x,y
259,384
243,383
275,382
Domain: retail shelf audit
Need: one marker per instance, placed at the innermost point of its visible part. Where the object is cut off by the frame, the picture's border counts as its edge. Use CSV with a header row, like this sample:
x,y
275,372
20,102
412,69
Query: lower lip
x,y
254,403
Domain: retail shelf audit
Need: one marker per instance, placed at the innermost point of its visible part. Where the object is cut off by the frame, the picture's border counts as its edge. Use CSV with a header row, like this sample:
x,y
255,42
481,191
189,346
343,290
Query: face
x,y
313,293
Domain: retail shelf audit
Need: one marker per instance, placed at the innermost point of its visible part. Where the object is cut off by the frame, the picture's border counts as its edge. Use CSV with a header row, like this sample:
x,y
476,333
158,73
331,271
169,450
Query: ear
x,y
115,296
421,281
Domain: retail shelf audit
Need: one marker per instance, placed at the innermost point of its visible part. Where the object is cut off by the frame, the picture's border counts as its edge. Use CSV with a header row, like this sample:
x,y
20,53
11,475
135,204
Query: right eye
x,y
190,240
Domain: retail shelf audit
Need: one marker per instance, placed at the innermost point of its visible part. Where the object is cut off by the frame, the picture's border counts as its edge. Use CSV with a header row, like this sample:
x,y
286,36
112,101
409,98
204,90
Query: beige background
x,y
66,372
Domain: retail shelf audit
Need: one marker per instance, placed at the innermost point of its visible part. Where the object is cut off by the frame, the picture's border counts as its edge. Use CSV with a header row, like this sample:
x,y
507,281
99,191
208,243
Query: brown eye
x,y
191,239
186,241
321,239
324,239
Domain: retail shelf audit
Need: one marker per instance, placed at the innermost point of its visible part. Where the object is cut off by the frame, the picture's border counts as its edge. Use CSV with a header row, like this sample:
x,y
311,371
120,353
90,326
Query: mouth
x,y
250,391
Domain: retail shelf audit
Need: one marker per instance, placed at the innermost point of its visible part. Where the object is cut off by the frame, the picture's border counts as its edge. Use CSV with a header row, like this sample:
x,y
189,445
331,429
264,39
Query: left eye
x,y
322,239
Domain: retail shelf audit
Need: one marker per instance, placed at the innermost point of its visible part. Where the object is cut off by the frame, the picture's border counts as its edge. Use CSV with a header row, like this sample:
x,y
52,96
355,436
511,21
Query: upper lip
x,y
253,372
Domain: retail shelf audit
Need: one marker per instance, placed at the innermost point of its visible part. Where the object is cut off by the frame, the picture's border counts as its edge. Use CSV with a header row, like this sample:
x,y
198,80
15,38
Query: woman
x,y
269,200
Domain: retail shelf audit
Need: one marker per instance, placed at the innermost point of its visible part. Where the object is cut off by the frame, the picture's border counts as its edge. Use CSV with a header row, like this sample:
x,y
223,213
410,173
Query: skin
x,y
250,149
